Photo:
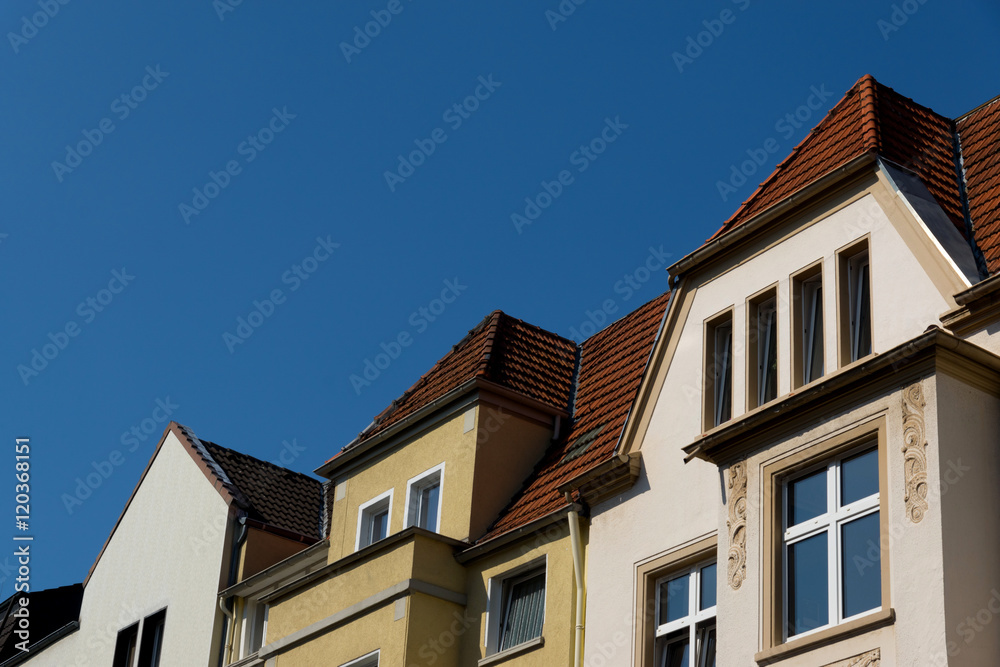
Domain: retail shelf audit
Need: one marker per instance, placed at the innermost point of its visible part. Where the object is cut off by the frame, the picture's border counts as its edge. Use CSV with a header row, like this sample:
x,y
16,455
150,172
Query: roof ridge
x,y
485,365
868,96
977,109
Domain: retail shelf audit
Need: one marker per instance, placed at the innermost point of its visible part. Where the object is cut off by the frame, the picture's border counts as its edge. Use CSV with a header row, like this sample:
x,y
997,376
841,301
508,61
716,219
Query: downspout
x,y
574,536
227,648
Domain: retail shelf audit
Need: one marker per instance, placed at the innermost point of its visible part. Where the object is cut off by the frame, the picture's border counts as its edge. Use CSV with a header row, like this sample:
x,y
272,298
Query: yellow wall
x,y
377,630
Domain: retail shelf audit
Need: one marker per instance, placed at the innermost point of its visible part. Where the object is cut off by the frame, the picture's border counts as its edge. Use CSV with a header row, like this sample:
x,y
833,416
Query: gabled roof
x,y
612,363
53,611
979,140
871,118
509,352
274,496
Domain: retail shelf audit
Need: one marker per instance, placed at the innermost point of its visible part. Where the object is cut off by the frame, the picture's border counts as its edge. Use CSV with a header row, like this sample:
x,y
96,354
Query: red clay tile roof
x,y
273,495
871,117
612,363
527,359
979,137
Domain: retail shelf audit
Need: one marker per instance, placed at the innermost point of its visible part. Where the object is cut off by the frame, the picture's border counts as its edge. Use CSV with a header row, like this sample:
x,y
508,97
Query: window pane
x,y
808,594
723,373
807,498
862,563
380,525
706,646
859,477
428,511
707,583
767,353
862,314
522,620
814,333
674,599
676,654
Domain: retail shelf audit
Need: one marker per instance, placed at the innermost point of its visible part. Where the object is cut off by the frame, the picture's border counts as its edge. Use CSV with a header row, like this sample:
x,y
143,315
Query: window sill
x,y
512,651
837,633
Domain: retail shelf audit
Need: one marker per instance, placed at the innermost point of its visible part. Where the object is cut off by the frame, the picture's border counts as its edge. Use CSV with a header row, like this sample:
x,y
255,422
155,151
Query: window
x,y
719,370
370,660
152,639
125,646
373,520
855,303
807,341
516,608
254,627
685,618
762,345
832,561
423,499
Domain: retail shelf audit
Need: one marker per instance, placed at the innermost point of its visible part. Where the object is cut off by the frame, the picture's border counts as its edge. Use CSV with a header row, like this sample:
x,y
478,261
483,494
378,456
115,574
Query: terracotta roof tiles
x,y
979,135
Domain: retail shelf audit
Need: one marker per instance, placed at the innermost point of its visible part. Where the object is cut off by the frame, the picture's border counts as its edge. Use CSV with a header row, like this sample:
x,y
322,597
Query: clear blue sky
x,y
331,131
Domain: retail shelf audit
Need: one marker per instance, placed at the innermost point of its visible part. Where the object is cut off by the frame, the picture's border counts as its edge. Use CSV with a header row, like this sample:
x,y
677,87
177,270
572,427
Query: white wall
x,y
674,503
166,552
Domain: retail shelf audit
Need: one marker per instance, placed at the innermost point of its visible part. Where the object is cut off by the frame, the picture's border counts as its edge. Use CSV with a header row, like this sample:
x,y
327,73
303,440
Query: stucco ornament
x,y
737,523
914,454
869,659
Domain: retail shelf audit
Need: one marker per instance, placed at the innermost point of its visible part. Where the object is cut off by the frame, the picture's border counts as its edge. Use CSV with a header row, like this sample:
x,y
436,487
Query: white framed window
x,y
254,627
723,368
767,351
685,617
373,520
369,660
859,298
830,516
516,608
423,499
812,328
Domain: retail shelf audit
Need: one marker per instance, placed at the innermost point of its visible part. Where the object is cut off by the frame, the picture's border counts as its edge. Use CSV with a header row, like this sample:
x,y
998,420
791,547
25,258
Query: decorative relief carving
x,y
737,523
914,454
869,659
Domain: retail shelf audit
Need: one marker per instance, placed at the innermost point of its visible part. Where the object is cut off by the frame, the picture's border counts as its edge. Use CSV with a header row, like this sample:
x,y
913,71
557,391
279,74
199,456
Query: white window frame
x,y
812,306
497,587
365,510
764,308
723,359
696,617
365,660
855,264
830,523
249,621
416,484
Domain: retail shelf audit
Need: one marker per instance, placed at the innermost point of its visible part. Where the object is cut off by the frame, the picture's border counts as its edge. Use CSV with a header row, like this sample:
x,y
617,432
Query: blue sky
x,y
250,154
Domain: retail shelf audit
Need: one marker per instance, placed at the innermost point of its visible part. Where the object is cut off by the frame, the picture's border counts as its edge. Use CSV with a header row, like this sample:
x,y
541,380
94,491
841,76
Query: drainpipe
x,y
574,536
227,650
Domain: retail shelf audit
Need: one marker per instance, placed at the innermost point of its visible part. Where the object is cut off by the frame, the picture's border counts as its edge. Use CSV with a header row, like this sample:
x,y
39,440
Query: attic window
x,y
579,446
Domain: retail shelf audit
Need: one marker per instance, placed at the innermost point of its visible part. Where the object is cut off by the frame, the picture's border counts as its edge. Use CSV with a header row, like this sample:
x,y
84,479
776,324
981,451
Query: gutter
x,y
979,290
734,236
227,647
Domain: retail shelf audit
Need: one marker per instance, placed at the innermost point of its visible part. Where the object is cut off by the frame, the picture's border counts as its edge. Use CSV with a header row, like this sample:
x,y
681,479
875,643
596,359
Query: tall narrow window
x,y
855,302
125,646
152,639
719,370
831,539
373,520
807,326
685,618
762,348
423,499
523,609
